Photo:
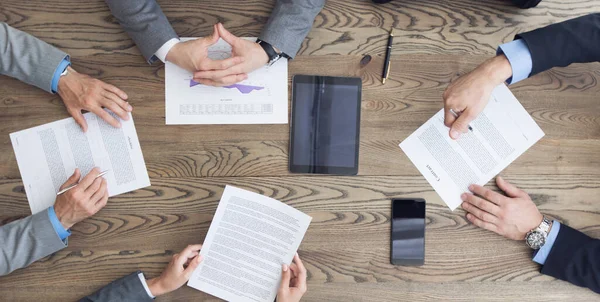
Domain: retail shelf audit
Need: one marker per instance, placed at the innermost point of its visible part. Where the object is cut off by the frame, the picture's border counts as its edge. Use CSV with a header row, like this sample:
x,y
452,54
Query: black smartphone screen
x,y
408,232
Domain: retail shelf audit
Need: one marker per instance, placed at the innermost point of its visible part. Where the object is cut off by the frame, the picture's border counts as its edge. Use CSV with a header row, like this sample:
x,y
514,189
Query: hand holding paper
x,y
293,281
501,133
178,272
249,240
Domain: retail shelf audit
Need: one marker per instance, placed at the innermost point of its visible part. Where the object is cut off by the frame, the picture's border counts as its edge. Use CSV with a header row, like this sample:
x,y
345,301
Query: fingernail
x,y
462,205
500,178
463,196
199,258
285,267
297,254
129,107
454,134
471,187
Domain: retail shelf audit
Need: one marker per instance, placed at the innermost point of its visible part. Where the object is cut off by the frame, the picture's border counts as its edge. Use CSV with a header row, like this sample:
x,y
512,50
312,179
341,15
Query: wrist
x,y
498,69
155,287
60,214
172,54
65,81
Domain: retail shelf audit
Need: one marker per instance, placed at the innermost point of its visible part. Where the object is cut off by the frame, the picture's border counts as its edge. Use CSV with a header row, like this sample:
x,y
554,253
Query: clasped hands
x,y
82,92
246,56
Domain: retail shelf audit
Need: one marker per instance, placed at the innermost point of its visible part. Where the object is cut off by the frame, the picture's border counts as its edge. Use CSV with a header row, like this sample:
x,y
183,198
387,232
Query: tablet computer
x,y
325,125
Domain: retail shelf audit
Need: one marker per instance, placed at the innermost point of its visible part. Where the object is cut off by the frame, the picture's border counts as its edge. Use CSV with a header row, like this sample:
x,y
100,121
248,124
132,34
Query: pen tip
x,y
383,81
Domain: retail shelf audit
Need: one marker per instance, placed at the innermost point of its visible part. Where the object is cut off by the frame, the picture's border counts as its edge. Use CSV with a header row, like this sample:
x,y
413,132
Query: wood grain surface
x,y
346,249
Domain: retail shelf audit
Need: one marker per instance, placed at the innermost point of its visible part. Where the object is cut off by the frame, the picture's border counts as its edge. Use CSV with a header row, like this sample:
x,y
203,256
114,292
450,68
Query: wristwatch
x,y
65,72
273,55
536,238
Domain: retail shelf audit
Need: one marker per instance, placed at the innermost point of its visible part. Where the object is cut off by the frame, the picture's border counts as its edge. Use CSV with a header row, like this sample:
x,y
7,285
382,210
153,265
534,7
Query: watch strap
x,y
545,225
271,52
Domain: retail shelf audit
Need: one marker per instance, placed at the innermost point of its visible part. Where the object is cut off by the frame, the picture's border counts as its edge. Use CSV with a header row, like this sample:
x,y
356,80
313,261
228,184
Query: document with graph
x,y
260,99
47,156
500,134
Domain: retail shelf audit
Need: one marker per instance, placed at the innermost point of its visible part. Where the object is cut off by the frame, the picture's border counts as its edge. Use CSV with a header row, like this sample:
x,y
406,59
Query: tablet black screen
x,y
325,125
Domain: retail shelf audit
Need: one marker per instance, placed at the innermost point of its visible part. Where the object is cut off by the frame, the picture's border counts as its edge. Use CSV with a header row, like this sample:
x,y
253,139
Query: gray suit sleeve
x,y
289,24
128,288
27,58
145,23
27,240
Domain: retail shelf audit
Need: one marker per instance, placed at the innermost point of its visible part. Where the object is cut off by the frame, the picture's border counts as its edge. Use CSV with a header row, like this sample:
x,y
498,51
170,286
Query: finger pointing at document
x,y
468,95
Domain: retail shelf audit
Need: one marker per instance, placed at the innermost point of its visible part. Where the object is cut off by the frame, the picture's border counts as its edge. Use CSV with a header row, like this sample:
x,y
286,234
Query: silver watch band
x,y
545,225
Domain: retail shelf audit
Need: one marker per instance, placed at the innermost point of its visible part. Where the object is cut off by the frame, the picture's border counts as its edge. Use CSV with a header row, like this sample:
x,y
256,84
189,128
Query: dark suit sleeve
x,y
128,288
575,258
561,44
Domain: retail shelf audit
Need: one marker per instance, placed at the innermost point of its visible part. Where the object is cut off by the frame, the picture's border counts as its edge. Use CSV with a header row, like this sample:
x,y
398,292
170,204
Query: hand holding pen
x,y
84,198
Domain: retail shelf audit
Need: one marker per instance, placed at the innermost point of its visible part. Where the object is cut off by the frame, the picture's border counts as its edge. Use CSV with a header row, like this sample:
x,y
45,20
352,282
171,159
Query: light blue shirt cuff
x,y
58,227
542,253
519,57
61,67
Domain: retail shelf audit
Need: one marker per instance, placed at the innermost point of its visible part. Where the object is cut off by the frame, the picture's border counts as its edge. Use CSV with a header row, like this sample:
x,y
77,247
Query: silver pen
x,y
74,185
456,115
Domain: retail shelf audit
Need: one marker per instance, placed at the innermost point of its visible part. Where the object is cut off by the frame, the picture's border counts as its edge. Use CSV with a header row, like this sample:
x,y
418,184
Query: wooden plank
x,y
347,246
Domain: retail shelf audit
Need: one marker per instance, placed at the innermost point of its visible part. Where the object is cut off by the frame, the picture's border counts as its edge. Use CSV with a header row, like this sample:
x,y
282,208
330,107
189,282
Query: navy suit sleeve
x,y
561,44
575,258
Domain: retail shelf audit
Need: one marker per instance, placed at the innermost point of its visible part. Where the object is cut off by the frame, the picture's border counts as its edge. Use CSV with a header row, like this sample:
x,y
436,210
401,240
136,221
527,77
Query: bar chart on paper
x,y
260,99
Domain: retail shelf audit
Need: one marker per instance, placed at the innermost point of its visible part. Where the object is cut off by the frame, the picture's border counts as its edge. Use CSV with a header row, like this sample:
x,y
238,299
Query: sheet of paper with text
x,y
501,133
260,99
47,156
250,238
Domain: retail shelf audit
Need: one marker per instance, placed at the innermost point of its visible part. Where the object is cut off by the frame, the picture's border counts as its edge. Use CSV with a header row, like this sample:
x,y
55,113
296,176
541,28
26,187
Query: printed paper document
x,y
250,238
47,156
501,133
260,99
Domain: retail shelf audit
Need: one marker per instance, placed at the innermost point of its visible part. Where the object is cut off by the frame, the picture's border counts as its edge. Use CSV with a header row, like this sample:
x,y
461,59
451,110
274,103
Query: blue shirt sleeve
x,y
519,56
541,255
61,67
58,227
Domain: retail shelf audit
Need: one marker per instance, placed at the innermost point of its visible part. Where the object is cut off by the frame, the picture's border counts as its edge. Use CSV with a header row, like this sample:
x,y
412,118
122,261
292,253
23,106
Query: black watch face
x,y
536,240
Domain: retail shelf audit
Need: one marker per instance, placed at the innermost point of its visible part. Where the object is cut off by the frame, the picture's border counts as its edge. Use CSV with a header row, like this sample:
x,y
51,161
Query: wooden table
x,y
346,249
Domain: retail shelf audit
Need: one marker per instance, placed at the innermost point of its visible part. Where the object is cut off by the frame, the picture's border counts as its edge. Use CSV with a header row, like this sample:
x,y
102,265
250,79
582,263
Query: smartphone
x,y
408,232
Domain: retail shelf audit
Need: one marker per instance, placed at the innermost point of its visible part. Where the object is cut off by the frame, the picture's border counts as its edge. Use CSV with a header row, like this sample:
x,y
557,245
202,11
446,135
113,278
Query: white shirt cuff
x,y
143,280
162,52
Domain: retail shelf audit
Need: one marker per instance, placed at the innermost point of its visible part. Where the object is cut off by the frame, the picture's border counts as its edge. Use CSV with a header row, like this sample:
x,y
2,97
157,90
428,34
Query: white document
x,y
47,156
260,99
501,133
250,238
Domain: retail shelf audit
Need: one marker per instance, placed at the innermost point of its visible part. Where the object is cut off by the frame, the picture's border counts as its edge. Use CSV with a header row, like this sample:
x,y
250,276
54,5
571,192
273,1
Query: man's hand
x,y
83,201
511,217
254,57
293,282
178,272
193,56
469,94
81,92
